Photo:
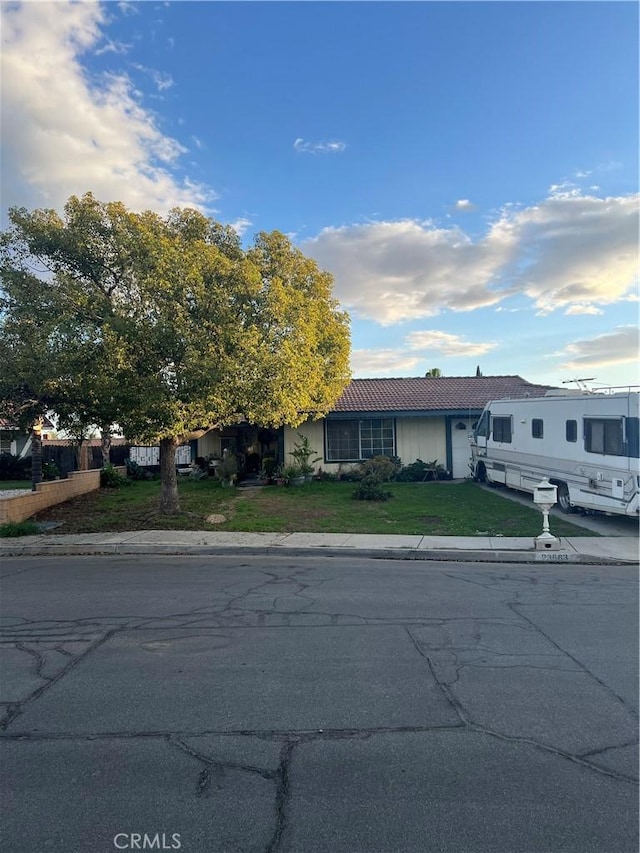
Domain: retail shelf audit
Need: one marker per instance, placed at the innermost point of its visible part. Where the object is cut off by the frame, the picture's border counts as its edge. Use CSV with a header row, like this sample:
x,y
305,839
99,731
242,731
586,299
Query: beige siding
x,y
421,438
314,431
416,438
209,443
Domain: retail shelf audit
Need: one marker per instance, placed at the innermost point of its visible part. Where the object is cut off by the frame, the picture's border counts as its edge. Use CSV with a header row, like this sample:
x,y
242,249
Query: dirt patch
x,y
216,518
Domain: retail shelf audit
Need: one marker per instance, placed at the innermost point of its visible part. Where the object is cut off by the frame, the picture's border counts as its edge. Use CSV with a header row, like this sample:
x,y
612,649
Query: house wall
x,y
48,494
416,438
421,438
315,433
209,443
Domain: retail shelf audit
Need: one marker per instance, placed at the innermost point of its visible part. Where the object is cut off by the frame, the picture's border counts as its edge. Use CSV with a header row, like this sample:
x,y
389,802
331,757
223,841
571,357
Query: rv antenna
x,y
580,382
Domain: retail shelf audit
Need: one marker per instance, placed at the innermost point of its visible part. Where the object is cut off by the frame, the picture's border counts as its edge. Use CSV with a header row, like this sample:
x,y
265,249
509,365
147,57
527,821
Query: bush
x,y
18,528
370,490
380,469
135,472
414,473
14,468
112,479
50,471
420,471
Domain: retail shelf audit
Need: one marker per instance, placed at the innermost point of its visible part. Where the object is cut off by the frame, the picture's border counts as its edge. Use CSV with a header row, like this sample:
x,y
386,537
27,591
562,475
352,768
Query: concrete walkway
x,y
599,550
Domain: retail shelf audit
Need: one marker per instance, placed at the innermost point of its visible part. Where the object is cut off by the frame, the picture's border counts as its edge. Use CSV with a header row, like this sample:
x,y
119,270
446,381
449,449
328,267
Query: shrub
x,y
136,472
414,473
112,479
14,468
50,471
18,528
381,469
370,490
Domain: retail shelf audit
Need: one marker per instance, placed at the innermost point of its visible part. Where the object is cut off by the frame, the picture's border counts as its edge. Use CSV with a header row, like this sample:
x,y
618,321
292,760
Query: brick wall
x,y
49,494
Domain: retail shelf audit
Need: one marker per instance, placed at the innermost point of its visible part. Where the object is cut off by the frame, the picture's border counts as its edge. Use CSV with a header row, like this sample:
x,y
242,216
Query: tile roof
x,y
431,394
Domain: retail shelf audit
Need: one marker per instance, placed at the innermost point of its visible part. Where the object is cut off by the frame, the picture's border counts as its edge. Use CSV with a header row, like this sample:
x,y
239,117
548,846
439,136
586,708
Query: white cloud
x,y
383,362
161,80
617,347
64,133
240,225
583,173
583,309
113,47
569,249
198,142
445,343
464,204
330,147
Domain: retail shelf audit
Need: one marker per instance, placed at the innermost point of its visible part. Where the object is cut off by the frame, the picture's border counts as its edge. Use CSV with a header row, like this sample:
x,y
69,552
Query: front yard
x,y
436,509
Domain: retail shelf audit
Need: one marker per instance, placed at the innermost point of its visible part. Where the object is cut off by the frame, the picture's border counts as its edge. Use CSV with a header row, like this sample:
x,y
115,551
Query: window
x,y
350,441
537,427
603,436
501,429
481,428
571,430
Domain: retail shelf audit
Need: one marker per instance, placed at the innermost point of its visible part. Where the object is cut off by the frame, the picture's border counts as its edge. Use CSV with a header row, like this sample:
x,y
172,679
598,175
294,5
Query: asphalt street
x,y
249,704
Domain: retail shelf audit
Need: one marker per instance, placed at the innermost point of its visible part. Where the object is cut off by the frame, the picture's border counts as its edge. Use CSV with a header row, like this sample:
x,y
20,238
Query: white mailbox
x,y
545,493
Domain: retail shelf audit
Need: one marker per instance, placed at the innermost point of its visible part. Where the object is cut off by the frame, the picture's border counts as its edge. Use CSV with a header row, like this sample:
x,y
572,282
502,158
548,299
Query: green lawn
x,y
443,509
15,484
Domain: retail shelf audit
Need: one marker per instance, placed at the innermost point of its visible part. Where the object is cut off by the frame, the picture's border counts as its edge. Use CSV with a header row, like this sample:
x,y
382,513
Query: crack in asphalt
x,y
238,610
578,662
283,792
17,707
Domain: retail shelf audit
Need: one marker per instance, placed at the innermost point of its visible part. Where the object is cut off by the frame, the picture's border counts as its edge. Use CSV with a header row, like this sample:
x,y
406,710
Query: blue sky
x,y
467,171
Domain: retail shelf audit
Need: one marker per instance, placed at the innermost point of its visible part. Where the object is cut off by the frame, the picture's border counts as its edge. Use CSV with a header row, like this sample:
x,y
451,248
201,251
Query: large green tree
x,y
165,325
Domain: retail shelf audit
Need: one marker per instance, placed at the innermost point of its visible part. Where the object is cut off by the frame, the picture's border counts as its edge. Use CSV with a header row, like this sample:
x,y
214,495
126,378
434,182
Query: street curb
x,y
467,556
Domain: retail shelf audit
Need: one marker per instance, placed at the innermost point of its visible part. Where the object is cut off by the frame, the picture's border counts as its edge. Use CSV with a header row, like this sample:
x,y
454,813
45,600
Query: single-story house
x,y
14,440
424,418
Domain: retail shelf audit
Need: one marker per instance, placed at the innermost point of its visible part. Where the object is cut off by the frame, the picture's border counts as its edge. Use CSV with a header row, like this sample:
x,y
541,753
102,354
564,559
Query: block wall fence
x,y
50,493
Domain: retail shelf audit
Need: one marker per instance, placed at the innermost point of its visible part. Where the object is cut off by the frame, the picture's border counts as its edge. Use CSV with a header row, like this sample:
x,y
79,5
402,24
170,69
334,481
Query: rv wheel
x,y
481,473
563,499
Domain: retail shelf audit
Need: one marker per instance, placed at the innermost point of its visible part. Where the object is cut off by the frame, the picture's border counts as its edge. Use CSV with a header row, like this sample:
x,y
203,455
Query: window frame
x,y
574,430
503,420
369,445
607,425
537,428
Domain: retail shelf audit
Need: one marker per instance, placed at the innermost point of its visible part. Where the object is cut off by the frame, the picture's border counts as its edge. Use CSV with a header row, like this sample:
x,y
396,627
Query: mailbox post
x,y
545,495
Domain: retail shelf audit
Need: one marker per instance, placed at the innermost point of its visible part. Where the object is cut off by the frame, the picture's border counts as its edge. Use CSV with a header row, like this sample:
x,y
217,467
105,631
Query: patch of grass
x,y
437,509
15,484
17,528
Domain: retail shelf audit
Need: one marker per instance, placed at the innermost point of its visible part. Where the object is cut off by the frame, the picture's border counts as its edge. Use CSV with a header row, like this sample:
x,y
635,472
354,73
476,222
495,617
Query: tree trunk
x,y
169,503
105,443
82,455
36,458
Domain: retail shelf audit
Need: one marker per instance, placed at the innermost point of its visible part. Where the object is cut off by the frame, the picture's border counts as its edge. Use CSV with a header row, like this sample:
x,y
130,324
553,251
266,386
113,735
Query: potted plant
x,y
268,470
293,475
302,453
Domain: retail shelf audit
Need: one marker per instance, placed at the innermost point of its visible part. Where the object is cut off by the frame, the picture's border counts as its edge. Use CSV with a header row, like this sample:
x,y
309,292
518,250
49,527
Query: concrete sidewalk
x,y
597,550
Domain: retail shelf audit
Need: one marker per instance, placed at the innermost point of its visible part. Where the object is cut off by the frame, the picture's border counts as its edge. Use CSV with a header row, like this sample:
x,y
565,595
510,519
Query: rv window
x,y
482,427
537,428
501,429
571,430
603,436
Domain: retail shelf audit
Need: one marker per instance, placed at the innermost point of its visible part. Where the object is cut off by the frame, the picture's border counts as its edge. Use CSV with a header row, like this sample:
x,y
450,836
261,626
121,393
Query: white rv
x,y
585,443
